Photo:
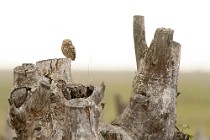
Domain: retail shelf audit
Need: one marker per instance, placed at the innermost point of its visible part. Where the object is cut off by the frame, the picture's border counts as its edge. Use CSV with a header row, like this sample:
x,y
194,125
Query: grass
x,y
5,88
193,105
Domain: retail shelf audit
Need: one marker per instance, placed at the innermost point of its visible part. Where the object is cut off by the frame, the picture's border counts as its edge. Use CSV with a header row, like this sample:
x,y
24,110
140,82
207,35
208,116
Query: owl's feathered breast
x,y
69,51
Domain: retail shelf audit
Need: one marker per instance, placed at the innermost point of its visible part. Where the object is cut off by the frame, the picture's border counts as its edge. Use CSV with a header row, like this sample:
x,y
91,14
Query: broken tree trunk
x,y
46,104
150,113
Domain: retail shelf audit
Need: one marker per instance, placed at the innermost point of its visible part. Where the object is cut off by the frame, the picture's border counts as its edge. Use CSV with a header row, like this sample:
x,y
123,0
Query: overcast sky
x,y
101,31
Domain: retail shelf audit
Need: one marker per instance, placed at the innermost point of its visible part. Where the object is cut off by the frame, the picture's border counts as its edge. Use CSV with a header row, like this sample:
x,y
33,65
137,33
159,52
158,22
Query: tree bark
x,y
150,113
46,104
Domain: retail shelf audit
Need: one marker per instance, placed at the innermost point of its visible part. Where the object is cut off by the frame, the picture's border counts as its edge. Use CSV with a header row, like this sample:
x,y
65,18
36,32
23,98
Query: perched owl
x,y
68,49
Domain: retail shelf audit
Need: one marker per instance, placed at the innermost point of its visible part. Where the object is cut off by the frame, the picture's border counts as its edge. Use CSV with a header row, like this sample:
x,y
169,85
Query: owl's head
x,y
67,42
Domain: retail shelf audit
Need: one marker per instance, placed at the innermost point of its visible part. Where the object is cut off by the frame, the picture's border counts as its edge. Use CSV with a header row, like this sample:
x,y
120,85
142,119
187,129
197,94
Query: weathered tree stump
x,y
150,113
46,104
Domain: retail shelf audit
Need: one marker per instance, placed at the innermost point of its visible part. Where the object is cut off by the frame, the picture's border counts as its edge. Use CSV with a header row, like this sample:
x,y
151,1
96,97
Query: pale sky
x,y
101,31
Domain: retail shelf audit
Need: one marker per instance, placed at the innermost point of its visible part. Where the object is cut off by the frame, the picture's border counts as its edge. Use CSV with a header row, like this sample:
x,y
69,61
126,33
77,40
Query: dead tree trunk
x,y
46,104
150,113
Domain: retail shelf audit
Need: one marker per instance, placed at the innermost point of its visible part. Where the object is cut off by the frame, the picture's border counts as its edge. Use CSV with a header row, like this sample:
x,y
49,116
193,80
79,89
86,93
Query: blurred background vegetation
x,y
193,104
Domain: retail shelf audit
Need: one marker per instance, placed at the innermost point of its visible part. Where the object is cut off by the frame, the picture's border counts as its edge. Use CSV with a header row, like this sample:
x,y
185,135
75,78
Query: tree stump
x,y
150,113
46,104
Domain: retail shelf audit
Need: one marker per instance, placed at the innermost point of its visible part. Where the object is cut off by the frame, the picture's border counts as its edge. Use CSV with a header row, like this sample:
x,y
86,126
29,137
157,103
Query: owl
x,y
68,49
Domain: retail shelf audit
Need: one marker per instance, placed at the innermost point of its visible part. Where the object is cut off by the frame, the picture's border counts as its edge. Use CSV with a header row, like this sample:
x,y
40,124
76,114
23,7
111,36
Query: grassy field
x,y
193,105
